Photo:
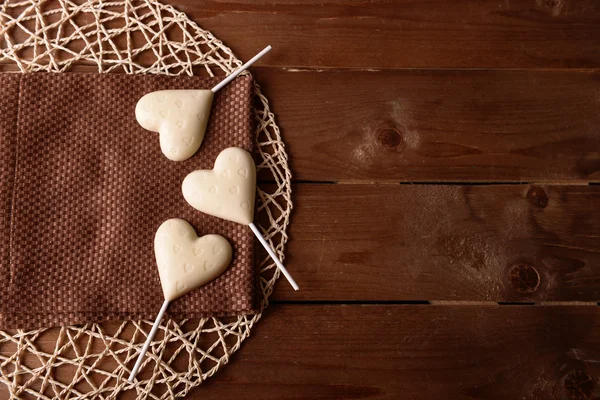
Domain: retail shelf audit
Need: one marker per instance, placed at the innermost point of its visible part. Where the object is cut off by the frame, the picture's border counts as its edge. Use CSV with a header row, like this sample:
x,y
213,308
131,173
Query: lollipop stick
x,y
283,270
138,363
240,69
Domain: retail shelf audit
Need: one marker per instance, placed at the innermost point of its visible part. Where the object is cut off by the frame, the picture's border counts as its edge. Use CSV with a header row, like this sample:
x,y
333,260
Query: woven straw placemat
x,y
93,361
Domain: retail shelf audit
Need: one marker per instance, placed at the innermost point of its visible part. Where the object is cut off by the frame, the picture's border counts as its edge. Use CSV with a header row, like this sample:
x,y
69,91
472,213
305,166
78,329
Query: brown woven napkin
x,y
83,189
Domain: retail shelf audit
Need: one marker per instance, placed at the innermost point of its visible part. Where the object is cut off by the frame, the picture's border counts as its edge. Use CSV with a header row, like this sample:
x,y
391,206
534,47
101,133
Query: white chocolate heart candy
x,y
228,190
186,261
180,118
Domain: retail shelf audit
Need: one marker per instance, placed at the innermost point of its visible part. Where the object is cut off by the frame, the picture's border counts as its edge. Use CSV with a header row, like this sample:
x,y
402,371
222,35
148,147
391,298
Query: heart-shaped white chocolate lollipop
x,y
186,261
228,190
155,111
179,116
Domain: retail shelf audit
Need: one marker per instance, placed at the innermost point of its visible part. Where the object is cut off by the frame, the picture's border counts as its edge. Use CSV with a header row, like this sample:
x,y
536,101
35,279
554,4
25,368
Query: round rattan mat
x,y
135,37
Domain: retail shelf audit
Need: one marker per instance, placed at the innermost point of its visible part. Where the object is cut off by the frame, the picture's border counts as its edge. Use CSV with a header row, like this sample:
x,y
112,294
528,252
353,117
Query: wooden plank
x,y
415,352
438,125
408,33
401,351
528,243
399,34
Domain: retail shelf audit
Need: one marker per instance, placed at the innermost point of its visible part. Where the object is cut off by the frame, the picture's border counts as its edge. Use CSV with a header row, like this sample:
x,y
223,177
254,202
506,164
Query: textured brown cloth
x,y
83,189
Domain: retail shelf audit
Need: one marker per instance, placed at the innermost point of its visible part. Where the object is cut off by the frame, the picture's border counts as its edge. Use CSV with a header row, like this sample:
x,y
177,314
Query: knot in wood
x,y
537,197
389,138
579,385
524,278
553,7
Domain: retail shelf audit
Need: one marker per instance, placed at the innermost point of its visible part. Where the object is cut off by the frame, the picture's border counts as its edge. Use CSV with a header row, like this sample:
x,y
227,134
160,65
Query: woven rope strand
x,y
135,37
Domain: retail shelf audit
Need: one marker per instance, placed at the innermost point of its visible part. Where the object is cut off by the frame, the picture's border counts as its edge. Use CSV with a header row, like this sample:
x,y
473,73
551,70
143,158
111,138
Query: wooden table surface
x,y
445,232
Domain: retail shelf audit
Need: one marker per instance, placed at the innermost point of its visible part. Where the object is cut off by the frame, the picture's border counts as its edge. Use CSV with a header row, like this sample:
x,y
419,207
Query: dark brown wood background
x,y
445,233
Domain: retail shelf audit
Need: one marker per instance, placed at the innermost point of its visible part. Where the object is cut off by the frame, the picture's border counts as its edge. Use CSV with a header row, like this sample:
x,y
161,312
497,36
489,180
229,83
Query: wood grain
x,y
399,351
376,93
436,126
449,126
395,34
439,242
407,33
415,352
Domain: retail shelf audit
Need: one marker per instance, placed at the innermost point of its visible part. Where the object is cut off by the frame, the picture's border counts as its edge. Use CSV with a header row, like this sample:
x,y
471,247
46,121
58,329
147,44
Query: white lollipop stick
x,y
182,257
228,191
153,331
283,270
244,67
181,116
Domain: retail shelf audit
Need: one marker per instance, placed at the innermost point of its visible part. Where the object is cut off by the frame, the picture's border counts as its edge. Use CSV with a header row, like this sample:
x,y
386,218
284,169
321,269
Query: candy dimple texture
x,y
179,116
186,261
228,190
